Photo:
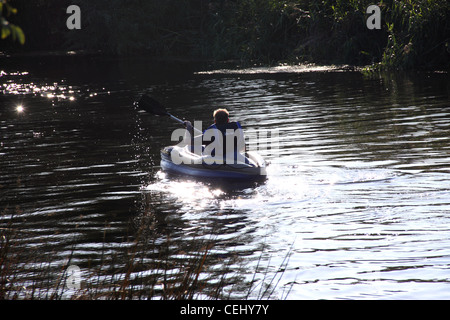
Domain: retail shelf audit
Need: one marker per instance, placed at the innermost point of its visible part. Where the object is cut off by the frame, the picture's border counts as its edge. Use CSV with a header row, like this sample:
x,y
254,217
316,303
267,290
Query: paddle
x,y
153,106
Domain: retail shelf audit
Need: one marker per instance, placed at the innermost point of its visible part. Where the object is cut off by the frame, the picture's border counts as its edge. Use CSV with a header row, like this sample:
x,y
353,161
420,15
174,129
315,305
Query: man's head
x,y
221,116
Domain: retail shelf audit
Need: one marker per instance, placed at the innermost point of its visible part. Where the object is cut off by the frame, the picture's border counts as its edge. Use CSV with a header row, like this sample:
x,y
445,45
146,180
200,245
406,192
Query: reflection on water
x,y
355,205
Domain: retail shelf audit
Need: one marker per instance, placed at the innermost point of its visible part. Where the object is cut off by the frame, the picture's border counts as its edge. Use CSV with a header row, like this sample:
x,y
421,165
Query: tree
x,y
7,28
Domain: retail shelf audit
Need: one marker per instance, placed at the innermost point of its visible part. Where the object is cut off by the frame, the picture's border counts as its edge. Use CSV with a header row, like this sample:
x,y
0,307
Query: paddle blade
x,y
151,105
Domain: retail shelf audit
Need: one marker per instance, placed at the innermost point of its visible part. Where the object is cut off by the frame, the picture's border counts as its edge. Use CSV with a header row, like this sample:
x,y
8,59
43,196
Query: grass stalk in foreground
x,y
143,271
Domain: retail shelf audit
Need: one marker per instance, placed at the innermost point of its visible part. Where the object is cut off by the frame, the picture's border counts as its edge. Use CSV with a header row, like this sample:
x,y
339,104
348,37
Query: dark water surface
x,y
356,204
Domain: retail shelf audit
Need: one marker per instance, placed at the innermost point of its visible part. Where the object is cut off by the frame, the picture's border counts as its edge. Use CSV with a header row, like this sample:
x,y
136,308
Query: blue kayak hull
x,y
253,170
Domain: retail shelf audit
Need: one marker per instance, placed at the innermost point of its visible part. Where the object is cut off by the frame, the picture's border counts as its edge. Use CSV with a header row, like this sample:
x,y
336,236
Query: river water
x,y
356,204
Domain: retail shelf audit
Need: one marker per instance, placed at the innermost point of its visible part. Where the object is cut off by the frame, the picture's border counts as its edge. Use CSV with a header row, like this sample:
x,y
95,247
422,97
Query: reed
x,y
145,270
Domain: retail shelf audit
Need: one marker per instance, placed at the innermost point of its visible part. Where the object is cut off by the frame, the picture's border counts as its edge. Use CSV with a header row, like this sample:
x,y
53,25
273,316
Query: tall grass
x,y
144,269
418,34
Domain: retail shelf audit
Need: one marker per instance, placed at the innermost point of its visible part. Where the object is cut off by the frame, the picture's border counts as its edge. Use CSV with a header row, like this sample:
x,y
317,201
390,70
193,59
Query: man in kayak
x,y
222,141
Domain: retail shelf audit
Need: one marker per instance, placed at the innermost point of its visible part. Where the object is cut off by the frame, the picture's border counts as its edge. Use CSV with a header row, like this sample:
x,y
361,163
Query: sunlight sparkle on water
x,y
20,109
194,194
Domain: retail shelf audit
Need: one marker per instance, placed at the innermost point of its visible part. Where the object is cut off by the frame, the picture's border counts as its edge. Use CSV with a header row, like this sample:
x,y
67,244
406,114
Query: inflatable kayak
x,y
181,161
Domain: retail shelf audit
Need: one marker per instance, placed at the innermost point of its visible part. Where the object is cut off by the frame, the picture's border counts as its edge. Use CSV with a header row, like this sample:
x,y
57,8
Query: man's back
x,y
227,138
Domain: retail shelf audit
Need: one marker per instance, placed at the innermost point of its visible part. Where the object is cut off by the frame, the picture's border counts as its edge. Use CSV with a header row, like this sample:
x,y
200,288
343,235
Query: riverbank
x,y
413,35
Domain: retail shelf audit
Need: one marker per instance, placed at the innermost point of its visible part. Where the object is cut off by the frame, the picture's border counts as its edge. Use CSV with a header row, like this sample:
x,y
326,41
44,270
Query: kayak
x,y
178,160
181,161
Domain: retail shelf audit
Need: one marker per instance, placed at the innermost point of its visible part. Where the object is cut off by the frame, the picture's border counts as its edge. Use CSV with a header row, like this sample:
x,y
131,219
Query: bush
x,y
414,33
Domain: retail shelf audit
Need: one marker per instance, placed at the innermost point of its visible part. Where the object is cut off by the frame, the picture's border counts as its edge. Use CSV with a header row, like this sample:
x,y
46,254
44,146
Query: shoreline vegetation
x,y
143,270
414,34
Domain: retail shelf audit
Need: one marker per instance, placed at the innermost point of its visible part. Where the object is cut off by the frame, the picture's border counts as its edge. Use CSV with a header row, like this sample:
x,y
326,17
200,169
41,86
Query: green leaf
x,y
10,9
14,31
20,35
5,32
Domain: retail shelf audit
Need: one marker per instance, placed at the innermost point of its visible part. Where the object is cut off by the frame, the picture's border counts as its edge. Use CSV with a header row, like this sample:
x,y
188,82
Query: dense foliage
x,y
414,33
8,29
